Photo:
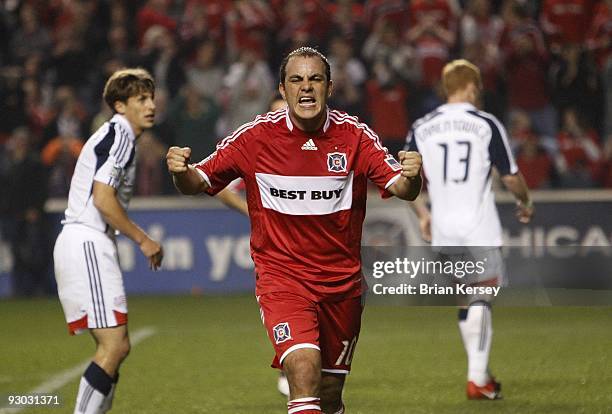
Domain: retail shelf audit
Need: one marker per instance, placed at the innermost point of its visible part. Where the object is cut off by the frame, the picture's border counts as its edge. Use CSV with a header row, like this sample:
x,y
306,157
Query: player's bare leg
x,y
113,346
331,393
97,385
303,370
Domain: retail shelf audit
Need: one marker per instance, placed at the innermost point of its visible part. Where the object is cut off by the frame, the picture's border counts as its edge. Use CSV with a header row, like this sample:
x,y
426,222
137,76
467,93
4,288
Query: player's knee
x,y
123,349
117,350
303,369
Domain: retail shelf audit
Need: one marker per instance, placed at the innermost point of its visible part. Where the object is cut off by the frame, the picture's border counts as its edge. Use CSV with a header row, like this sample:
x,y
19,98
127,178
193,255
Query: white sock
x,y
89,400
108,401
477,332
283,385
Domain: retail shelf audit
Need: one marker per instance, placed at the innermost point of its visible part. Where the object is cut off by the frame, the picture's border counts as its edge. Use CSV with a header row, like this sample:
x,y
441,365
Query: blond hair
x,y
458,74
126,83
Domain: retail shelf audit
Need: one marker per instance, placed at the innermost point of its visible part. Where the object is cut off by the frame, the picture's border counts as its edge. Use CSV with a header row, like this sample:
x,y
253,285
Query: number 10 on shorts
x,y
346,356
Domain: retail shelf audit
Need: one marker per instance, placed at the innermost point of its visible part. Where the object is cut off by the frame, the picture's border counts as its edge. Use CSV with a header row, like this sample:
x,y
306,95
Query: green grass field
x,y
211,355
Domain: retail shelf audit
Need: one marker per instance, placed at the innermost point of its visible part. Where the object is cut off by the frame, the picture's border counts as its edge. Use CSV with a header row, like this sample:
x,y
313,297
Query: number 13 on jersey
x,y
457,155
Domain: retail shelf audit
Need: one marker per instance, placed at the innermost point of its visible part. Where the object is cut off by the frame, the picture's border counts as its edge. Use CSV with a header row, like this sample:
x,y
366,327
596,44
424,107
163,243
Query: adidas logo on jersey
x,y
309,146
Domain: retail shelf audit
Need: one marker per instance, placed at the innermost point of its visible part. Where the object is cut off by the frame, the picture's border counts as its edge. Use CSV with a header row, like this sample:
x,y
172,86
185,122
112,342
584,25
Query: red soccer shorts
x,y
294,322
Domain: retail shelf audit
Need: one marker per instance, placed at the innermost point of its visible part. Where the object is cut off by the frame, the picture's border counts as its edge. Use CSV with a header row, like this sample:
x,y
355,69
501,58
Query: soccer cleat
x,y
283,385
491,391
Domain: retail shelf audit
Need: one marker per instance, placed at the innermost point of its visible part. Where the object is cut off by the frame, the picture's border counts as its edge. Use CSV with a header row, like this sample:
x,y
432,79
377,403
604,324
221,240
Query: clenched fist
x,y
411,163
177,159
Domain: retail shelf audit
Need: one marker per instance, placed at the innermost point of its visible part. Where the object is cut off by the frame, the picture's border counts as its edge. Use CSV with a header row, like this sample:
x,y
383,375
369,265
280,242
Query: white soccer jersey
x,y
107,157
459,145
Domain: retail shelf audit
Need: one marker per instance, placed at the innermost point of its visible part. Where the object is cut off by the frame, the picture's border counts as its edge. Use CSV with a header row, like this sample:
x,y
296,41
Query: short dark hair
x,y
126,83
304,51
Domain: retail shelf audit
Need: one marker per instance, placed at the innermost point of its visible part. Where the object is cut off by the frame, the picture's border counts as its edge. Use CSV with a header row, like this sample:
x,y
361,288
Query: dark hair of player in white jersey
x,y
304,52
126,83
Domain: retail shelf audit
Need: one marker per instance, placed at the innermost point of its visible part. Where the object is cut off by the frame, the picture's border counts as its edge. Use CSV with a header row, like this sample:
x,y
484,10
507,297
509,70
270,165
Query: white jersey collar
x,y
325,125
458,106
122,120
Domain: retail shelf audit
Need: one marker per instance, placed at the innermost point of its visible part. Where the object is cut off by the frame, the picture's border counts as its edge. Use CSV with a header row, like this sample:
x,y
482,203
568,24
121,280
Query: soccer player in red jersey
x,y
305,169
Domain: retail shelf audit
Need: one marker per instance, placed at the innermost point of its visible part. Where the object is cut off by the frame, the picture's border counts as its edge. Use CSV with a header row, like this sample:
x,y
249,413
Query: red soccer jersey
x,y
307,199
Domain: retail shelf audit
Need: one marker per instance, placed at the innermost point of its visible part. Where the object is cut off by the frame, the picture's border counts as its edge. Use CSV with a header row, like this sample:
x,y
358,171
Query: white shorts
x,y
89,280
494,273
492,263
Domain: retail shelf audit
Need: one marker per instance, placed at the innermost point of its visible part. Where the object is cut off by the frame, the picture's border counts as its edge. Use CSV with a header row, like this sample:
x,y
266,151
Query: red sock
x,y
306,405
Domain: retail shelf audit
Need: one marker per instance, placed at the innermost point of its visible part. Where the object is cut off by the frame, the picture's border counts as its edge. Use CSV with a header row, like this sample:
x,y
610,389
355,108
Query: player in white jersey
x,y
89,280
460,145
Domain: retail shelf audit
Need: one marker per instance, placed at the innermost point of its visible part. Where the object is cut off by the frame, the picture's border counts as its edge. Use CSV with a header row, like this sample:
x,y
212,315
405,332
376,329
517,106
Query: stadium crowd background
x,y
546,65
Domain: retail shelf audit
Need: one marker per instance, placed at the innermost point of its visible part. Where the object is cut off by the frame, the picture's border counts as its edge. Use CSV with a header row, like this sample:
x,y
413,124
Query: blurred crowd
x,y
546,66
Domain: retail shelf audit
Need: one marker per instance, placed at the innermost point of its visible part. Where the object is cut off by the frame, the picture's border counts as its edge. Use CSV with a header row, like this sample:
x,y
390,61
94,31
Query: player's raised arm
x,y
186,179
515,183
408,186
105,200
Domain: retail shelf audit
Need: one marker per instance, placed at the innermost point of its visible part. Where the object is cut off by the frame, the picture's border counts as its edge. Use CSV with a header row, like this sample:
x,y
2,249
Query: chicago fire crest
x,y
336,162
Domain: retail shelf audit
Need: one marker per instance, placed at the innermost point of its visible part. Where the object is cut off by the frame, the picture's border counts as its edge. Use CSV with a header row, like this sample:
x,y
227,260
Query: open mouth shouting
x,y
307,102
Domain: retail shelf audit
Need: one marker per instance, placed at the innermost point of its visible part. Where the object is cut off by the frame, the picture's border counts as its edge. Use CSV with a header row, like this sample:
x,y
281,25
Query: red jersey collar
x,y
325,125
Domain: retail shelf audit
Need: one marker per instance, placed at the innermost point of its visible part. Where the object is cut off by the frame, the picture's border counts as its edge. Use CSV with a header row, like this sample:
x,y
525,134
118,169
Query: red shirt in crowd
x,y
148,17
387,109
526,71
432,50
581,152
599,35
393,11
536,170
565,21
214,12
